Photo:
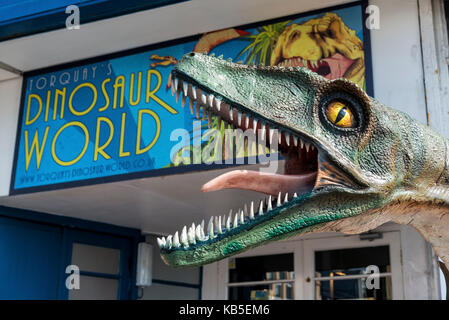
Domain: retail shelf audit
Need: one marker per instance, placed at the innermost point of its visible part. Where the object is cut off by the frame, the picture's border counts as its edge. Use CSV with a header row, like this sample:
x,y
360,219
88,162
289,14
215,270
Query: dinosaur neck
x,y
430,219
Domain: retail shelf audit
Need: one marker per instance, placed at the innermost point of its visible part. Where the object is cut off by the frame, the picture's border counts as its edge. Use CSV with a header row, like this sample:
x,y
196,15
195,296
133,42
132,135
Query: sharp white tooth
x,y
236,221
239,118
261,208
245,209
160,243
185,86
198,233
295,195
203,98
246,121
183,101
263,131
178,93
271,135
176,84
269,207
280,137
254,125
210,100
307,147
279,199
217,104
191,106
242,217
302,144
176,240
286,198
191,236
211,229
287,138
169,243
184,239
251,210
202,224
173,89
230,113
202,234
295,141
219,226
228,221
194,92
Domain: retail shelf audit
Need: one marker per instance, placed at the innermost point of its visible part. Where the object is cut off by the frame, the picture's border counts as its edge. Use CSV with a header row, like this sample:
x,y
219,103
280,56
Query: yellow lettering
x,y
39,100
86,143
105,94
55,104
122,137
34,146
133,102
47,107
139,130
94,100
100,149
152,93
119,84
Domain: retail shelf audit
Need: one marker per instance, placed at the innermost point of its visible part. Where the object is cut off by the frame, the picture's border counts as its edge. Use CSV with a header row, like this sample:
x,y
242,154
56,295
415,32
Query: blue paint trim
x,y
77,230
126,276
89,11
66,255
69,222
177,284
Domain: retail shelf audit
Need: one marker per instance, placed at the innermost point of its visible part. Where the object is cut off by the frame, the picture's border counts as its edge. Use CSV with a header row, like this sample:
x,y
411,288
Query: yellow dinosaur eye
x,y
340,115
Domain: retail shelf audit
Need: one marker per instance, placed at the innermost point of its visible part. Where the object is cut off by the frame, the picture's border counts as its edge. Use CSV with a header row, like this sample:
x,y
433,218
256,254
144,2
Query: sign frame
x,y
178,169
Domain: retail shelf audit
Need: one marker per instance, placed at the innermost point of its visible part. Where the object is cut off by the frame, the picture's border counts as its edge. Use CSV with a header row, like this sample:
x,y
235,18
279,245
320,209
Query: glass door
x,y
350,268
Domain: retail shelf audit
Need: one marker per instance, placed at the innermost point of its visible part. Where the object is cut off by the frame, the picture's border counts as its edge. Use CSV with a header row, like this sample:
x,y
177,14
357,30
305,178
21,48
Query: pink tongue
x,y
267,183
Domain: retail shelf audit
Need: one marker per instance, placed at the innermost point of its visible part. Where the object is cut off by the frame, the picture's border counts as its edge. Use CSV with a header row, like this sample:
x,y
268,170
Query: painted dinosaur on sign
x,y
351,164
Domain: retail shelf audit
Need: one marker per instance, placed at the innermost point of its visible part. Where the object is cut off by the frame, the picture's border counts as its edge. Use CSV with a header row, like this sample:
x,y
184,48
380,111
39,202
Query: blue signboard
x,y
113,117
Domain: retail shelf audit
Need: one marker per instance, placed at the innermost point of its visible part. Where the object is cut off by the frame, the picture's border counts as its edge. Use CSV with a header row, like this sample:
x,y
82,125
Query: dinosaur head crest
x,y
345,154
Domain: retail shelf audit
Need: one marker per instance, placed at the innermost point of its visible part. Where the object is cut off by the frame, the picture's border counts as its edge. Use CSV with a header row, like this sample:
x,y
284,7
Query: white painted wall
x,y
9,112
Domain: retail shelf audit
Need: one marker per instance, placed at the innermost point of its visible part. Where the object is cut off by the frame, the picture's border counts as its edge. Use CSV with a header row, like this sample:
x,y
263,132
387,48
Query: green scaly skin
x,y
389,168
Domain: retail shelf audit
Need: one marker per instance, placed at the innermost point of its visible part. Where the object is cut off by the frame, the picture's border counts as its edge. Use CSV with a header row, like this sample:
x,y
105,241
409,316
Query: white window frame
x,y
280,247
391,239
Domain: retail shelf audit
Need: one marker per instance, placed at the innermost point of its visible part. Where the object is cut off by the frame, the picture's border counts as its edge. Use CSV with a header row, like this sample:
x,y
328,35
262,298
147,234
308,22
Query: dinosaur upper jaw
x,y
309,173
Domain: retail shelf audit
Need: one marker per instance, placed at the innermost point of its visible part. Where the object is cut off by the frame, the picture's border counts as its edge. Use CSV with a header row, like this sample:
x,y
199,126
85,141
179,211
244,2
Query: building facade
x,y
83,201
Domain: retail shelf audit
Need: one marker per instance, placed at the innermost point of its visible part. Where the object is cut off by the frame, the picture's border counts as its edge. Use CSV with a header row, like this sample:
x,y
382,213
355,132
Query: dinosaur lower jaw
x,y
299,178
332,67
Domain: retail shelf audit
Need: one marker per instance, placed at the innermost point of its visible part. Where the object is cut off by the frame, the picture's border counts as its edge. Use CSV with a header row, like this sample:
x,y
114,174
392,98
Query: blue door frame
x,y
62,233
123,244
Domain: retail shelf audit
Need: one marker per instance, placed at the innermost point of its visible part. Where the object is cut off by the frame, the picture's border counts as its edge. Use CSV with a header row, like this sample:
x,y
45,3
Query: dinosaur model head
x,y
351,163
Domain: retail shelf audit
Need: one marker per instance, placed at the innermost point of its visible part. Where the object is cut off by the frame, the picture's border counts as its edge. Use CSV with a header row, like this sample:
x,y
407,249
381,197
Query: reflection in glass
x,y
343,263
254,271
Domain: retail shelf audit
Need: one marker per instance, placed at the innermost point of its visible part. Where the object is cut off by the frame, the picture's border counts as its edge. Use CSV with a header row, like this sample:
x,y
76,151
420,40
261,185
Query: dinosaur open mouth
x,y
332,67
300,172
